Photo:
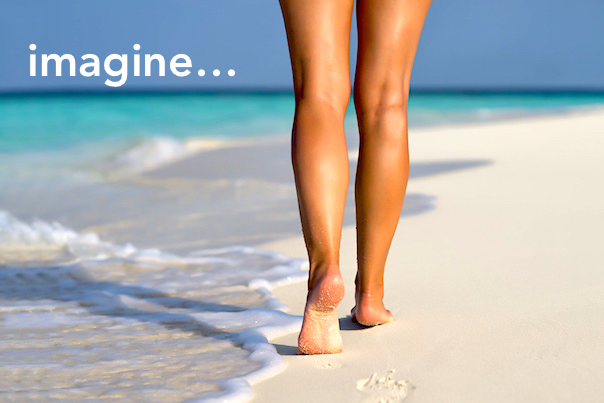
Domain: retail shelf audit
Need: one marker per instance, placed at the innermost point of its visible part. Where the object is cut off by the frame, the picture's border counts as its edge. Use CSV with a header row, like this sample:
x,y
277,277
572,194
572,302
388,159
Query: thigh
x,y
318,34
389,32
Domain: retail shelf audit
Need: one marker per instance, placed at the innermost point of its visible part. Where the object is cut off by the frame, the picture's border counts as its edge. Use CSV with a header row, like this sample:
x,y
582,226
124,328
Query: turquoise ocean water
x,y
42,122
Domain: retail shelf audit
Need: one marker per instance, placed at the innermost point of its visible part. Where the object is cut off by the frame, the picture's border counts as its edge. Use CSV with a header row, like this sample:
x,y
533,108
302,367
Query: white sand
x,y
498,292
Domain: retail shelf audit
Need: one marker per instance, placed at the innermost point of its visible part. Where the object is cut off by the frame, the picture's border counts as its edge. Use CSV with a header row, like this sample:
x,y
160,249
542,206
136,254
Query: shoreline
x,y
481,184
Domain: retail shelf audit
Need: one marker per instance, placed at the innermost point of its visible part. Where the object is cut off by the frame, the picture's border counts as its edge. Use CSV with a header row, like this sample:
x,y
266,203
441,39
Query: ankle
x,y
375,293
319,273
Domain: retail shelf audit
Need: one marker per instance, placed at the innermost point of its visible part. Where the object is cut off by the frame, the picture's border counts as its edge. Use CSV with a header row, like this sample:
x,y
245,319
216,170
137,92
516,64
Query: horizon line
x,y
267,91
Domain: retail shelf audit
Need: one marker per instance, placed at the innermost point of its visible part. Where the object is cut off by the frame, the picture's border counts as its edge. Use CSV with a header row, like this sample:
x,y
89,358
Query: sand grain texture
x,y
498,292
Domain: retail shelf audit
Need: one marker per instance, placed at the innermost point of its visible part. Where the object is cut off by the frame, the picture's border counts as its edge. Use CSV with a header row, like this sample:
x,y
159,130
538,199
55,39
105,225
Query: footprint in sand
x,y
385,389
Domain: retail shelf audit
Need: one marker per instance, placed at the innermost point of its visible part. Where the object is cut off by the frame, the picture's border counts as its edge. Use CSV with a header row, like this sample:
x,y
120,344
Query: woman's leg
x,y
318,34
389,31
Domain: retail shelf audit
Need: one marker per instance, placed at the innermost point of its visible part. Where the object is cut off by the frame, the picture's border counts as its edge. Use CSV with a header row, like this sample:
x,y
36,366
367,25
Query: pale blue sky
x,y
466,44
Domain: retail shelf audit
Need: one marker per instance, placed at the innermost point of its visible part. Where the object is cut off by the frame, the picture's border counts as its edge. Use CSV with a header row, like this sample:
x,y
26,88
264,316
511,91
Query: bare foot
x,y
370,311
320,332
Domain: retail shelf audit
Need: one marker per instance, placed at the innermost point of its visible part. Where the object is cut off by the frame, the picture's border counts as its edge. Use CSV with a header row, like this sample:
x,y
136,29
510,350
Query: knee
x,y
382,116
324,98
377,103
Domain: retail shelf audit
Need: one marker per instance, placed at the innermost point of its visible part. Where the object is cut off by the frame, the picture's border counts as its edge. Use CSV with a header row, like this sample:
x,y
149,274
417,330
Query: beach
x,y
177,276
498,292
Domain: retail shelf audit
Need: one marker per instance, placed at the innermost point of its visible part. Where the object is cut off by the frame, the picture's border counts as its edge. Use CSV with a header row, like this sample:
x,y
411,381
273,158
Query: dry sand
x,y
498,292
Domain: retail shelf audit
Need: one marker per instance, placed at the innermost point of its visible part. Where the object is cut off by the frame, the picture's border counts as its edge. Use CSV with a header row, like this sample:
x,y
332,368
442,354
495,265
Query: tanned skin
x,y
318,33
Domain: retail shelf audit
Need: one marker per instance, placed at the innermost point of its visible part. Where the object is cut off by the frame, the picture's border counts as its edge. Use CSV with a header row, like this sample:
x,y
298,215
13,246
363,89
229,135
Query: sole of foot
x,y
320,332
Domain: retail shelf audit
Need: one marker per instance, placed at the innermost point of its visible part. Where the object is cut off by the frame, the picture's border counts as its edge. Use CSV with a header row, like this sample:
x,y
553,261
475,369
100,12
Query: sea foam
x,y
192,327
155,152
152,153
